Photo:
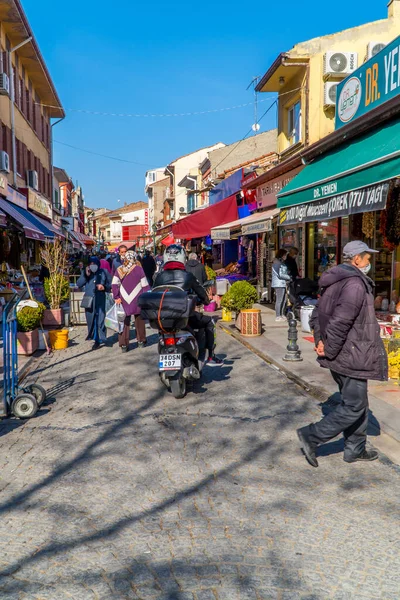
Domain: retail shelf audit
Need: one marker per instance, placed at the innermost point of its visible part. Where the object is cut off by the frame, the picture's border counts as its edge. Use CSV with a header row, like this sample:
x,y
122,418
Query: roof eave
x,y
275,65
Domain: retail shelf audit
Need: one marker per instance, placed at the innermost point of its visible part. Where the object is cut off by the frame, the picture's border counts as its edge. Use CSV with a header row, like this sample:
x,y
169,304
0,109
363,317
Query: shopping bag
x,y
113,318
109,301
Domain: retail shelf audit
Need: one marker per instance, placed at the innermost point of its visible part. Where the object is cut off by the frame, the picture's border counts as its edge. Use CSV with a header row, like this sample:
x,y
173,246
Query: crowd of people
x,y
127,276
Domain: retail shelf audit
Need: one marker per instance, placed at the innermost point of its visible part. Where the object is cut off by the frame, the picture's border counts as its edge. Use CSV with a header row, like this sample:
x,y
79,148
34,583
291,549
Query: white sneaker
x,y
280,319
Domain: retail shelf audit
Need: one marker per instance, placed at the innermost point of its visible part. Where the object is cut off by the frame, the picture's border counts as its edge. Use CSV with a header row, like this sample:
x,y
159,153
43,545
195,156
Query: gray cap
x,y
357,247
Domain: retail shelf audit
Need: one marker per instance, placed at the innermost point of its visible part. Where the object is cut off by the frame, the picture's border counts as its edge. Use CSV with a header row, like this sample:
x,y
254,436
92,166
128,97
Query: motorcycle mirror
x,y
209,283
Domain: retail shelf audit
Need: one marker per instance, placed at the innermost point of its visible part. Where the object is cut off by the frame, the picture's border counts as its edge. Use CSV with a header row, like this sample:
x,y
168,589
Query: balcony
x,y
169,193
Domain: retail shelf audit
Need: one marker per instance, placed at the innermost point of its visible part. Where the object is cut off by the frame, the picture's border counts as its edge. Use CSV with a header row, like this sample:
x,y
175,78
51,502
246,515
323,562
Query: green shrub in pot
x,y
28,318
226,302
242,296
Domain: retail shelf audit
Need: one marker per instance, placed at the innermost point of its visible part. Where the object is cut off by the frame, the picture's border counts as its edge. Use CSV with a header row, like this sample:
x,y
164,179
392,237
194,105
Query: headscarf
x,y
128,265
94,260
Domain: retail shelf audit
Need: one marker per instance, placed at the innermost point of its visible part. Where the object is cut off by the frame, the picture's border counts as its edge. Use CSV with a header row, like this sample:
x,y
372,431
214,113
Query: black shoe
x,y
214,361
125,348
96,346
307,447
366,456
142,344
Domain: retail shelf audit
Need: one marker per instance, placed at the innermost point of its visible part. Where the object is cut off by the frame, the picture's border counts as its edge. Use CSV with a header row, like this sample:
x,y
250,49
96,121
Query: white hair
x,y
193,256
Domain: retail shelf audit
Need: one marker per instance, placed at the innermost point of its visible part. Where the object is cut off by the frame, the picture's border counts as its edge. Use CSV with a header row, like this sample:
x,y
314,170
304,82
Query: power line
x,y
244,137
166,115
131,162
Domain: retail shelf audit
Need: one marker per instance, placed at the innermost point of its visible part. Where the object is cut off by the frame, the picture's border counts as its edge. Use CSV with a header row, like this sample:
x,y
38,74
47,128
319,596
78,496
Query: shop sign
x,y
259,227
373,84
267,192
16,198
221,234
365,199
146,221
39,204
250,177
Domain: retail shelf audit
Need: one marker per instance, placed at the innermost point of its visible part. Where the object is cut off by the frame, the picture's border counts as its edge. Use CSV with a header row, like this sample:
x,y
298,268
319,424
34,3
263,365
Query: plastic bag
x,y
109,302
115,318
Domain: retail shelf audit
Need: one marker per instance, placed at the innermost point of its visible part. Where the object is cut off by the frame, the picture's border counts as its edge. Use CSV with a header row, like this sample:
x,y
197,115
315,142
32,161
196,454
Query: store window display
x,y
322,247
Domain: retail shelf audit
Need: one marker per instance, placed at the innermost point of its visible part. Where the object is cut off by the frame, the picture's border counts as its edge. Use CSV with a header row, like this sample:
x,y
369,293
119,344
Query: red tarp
x,y
200,224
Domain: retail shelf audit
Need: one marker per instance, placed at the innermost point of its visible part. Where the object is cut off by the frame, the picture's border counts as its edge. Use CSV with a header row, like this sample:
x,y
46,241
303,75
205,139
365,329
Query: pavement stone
x,y
117,490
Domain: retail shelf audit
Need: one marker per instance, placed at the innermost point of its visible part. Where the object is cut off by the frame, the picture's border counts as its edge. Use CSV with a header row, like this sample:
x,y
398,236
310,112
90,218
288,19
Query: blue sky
x,y
134,57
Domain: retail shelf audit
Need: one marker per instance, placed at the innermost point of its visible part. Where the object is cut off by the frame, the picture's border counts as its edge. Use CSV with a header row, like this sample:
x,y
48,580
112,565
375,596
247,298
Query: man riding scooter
x,y
174,273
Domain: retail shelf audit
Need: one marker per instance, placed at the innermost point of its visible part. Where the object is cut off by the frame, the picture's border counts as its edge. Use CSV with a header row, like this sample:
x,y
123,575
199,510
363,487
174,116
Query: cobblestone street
x,y
117,490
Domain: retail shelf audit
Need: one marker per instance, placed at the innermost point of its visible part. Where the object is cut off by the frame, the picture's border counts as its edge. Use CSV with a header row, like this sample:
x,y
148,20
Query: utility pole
x,y
253,83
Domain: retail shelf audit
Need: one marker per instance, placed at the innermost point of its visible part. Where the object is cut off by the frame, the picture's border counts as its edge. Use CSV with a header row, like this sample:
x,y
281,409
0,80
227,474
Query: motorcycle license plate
x,y
170,362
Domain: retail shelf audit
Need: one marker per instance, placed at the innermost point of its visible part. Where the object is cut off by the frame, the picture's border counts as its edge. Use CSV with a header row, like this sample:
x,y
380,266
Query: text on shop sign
x,y
357,201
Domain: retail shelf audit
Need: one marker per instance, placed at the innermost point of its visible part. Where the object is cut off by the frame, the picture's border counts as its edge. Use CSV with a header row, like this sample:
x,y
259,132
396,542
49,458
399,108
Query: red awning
x,y
200,224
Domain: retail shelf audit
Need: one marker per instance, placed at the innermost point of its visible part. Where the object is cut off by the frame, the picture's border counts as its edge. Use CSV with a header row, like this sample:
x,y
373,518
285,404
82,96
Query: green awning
x,y
368,160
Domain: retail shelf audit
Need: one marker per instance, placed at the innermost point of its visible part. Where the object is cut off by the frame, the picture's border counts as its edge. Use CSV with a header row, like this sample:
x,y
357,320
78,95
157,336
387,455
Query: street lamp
x,y
12,107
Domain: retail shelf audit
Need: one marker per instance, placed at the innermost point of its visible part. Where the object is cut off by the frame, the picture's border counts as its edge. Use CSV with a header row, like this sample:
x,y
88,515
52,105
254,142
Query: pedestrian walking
x,y
195,267
280,278
348,342
291,263
95,282
119,259
128,284
104,264
149,266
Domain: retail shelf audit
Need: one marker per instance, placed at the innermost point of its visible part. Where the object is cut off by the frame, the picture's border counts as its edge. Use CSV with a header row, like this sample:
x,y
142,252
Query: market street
x,y
117,490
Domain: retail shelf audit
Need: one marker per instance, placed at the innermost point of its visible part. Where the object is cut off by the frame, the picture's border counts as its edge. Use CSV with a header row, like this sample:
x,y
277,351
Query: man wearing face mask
x,y
95,282
347,341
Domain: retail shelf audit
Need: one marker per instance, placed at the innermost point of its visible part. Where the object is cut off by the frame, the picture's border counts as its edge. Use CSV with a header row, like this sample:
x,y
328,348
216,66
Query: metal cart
x,y
22,402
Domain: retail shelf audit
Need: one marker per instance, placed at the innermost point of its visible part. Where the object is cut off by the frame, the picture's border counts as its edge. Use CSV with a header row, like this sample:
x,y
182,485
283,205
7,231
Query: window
x,y
294,124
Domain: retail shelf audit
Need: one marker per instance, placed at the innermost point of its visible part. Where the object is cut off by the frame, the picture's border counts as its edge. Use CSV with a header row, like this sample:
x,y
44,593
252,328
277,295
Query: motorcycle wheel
x,y
38,391
178,387
24,406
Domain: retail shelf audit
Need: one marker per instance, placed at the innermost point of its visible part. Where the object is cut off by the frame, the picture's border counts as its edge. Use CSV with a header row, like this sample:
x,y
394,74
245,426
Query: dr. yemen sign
x,y
365,199
373,84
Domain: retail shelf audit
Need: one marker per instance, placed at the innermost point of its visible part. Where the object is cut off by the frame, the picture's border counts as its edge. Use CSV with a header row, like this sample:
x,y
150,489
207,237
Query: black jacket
x,y
149,267
346,323
197,269
183,279
292,267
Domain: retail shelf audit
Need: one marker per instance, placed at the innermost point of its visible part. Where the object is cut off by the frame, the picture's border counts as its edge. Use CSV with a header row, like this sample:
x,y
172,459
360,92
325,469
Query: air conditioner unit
x,y
4,162
4,84
373,48
330,93
182,209
340,64
33,180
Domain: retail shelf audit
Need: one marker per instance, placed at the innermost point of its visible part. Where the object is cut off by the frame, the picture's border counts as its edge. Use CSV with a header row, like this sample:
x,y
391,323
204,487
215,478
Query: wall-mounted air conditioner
x,y
340,64
33,180
4,84
330,93
4,162
373,48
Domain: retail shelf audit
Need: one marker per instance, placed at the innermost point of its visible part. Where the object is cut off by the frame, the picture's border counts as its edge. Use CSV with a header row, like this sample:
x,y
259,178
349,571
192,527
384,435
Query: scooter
x,y
182,352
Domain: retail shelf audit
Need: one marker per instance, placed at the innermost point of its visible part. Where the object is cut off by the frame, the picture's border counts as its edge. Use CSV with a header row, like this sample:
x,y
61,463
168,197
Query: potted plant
x,y
227,307
243,295
28,320
56,286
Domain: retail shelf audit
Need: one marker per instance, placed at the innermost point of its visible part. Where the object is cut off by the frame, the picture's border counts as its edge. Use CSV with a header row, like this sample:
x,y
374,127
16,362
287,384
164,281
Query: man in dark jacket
x,y
149,267
196,268
348,342
119,259
291,263
174,273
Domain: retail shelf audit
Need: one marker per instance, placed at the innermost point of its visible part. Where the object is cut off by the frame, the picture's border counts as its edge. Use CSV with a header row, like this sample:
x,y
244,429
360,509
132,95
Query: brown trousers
x,y
123,338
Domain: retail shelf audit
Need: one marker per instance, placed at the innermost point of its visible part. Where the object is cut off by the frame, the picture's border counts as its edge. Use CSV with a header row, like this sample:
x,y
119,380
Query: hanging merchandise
x,y
382,229
368,224
393,216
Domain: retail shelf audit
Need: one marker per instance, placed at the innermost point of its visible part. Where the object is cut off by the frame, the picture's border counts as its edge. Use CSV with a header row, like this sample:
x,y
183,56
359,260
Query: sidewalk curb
x,y
317,393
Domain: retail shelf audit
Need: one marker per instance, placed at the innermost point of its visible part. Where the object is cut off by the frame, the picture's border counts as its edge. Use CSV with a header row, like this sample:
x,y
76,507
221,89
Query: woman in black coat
x,y
95,282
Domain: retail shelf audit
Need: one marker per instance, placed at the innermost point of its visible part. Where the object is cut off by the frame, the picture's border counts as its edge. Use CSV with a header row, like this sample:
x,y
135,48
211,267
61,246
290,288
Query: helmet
x,y
175,253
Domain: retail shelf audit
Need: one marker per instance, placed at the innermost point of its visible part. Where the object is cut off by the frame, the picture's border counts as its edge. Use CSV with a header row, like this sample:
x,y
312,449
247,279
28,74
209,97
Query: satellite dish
x,y
256,127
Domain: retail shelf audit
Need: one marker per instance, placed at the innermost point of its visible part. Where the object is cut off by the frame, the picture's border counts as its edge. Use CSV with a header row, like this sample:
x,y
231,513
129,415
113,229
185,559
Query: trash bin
x,y
305,315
